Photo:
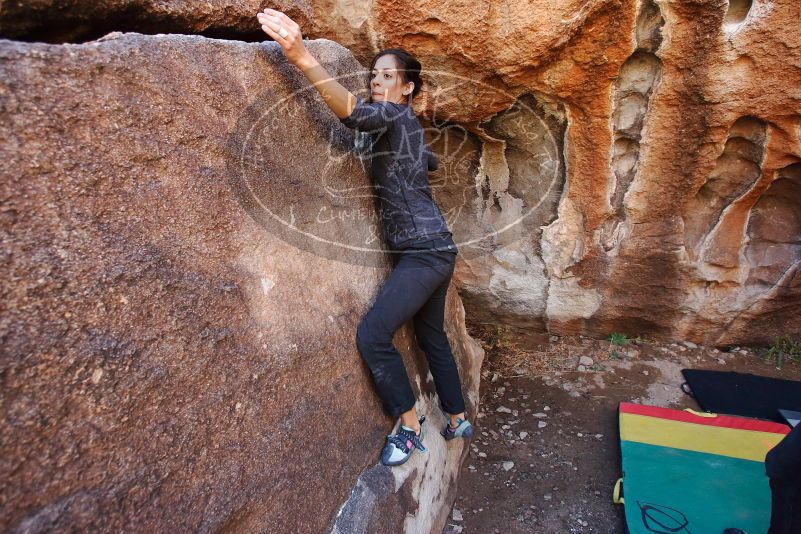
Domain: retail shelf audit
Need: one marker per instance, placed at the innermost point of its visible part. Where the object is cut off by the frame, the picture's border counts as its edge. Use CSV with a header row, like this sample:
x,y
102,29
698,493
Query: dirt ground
x,y
546,454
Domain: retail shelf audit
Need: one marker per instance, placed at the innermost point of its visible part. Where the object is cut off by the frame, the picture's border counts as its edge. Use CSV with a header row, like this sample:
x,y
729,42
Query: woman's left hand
x,y
285,32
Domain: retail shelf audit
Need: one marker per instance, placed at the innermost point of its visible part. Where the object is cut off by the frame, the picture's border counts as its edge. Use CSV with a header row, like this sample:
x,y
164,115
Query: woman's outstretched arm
x,y
286,33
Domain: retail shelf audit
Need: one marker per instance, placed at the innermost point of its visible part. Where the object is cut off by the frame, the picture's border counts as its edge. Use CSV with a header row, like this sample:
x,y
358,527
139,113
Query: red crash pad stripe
x,y
726,421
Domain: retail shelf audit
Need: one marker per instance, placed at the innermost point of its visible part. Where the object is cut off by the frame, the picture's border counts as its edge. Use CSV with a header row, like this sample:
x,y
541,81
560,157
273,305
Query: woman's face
x,y
386,83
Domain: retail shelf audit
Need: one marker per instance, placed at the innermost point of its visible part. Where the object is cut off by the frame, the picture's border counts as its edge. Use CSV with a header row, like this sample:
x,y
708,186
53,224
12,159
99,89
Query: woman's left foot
x,y
463,429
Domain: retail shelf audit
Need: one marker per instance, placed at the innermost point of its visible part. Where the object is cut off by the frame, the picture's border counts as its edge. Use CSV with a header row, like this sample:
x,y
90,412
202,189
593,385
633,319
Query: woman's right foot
x,y
402,444
463,429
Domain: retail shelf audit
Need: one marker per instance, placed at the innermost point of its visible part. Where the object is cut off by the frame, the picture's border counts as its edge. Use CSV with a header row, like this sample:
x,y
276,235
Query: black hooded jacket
x,y
400,161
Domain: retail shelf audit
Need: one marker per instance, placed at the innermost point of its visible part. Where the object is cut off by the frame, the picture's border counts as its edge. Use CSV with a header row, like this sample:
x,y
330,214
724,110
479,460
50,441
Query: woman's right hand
x,y
335,95
272,21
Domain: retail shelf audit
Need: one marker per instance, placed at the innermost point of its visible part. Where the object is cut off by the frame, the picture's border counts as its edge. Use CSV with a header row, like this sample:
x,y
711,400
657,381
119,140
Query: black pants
x,y
783,467
416,289
785,507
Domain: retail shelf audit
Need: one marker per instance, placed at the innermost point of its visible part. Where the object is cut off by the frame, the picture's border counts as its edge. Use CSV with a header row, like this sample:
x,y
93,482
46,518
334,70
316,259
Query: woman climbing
x,y
423,250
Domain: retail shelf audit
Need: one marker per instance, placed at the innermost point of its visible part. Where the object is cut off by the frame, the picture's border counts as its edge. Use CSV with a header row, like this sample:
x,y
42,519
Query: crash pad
x,y
742,394
690,472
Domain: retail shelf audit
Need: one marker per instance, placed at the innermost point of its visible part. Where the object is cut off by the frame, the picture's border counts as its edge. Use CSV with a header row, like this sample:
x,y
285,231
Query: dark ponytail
x,y
408,66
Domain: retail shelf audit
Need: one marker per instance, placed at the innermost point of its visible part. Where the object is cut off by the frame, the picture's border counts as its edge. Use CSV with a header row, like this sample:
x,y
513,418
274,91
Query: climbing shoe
x,y
463,429
402,444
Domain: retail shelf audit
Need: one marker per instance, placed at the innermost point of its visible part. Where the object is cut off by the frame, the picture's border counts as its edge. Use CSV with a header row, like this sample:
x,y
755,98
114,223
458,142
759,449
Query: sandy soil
x,y
546,454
